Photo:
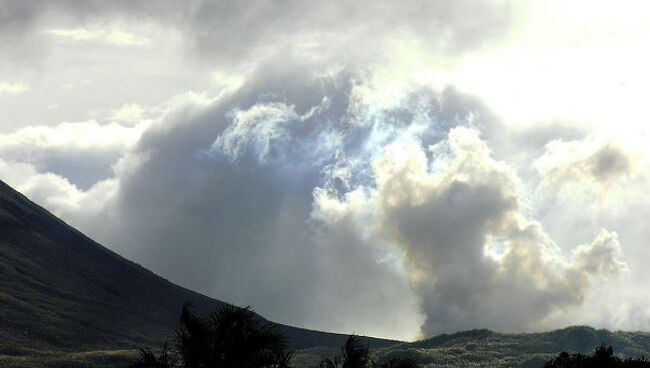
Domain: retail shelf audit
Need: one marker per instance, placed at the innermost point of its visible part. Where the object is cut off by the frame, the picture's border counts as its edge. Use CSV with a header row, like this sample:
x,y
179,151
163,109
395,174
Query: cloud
x,y
128,113
287,186
232,32
591,179
255,130
328,174
57,193
82,152
592,160
115,37
471,253
85,135
237,175
235,178
601,256
13,88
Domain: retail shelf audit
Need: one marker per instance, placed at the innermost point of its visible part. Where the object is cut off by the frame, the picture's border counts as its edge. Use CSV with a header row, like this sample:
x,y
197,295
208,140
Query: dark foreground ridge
x,y
60,290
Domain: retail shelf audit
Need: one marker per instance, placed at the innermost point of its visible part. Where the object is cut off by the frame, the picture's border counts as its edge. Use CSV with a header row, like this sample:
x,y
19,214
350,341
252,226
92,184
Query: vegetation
x,y
355,355
603,357
148,359
484,348
230,337
236,337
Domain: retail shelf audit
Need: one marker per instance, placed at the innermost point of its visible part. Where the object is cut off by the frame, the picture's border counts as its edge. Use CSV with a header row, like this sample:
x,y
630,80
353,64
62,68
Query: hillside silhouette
x,y
60,290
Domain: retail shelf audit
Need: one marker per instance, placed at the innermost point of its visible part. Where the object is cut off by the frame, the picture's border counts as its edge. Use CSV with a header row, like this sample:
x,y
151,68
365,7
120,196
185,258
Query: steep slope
x,y
61,290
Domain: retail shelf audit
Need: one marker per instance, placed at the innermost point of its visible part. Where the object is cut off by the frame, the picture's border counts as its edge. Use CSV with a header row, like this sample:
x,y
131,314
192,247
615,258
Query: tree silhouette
x,y
400,363
355,355
230,337
148,359
603,358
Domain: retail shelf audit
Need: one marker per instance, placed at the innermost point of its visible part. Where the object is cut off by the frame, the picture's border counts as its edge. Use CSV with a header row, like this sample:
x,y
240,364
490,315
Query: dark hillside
x,y
60,290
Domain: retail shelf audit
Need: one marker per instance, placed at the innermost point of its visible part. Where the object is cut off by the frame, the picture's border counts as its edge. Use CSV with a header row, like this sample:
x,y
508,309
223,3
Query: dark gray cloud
x,y
610,162
237,224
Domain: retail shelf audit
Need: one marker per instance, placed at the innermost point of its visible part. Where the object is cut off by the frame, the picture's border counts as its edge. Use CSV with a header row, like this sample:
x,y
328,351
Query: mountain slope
x,y
60,290
485,348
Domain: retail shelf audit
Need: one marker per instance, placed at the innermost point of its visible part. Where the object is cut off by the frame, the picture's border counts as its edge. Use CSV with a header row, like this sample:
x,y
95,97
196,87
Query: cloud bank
x,y
317,202
233,31
319,175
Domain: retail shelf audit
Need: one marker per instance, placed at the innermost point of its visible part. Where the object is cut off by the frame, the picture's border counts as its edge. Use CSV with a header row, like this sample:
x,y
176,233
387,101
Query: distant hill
x,y
61,291
484,348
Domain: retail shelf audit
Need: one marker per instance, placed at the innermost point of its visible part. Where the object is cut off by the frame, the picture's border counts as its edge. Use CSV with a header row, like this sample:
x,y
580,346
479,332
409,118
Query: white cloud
x,y
255,129
113,37
602,256
56,193
78,136
78,34
121,38
596,173
14,88
129,113
83,152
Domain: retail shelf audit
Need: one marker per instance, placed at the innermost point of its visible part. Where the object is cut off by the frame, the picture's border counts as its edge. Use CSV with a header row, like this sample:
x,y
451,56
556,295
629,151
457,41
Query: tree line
x,y
603,357
234,337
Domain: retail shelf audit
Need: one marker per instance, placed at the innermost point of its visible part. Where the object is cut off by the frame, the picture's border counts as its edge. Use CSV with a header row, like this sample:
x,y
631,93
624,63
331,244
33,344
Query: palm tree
x,y
401,363
353,355
148,359
230,337
192,338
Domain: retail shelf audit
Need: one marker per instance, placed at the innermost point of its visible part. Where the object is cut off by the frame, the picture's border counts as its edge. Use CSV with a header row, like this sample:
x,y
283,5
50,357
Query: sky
x,y
397,169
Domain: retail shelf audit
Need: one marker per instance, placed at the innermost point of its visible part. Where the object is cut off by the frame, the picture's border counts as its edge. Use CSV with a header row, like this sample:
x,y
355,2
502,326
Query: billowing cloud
x,y
469,246
358,167
305,197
